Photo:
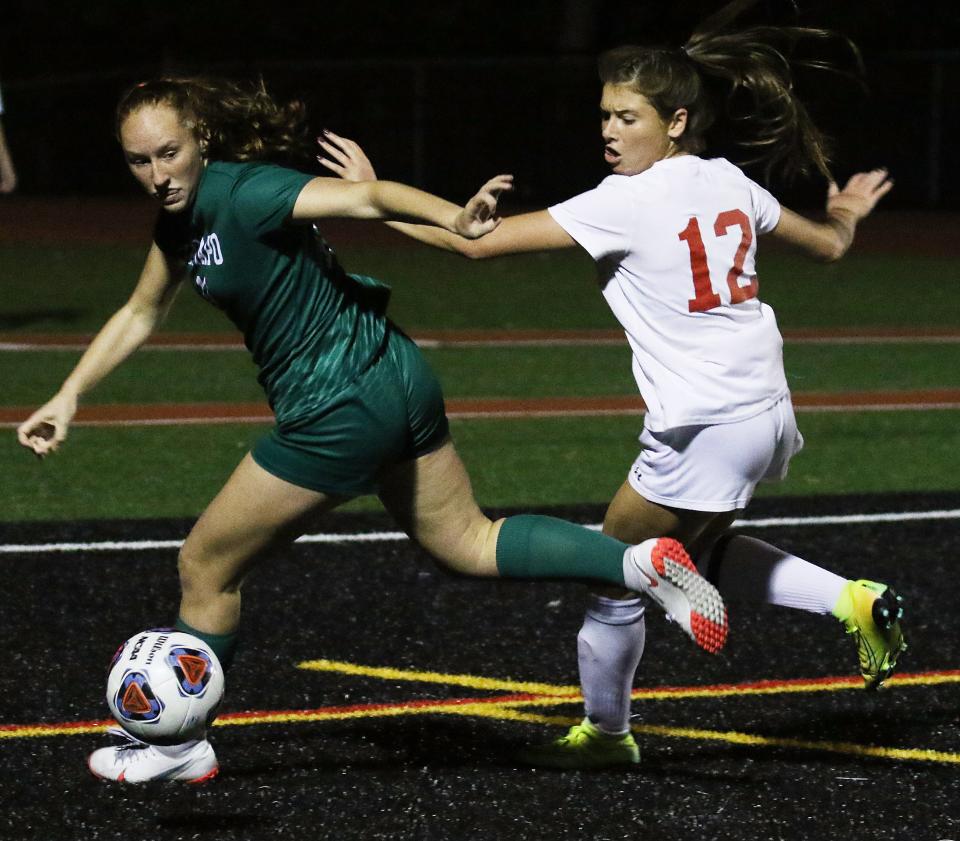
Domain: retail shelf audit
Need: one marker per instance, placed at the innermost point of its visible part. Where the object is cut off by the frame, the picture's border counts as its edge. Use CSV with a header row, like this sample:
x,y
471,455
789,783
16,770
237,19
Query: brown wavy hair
x,y
754,65
232,122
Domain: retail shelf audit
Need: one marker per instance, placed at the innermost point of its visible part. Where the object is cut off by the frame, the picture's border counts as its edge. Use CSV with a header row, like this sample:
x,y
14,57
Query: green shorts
x,y
392,413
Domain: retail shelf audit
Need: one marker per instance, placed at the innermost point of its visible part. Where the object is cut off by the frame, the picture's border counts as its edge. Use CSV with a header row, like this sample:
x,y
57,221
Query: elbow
x,y
833,252
837,242
474,249
828,249
461,247
142,320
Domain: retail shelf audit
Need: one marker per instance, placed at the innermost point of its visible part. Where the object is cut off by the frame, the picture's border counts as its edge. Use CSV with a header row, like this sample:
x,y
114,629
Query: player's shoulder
x,y
220,179
238,173
252,182
724,170
227,170
722,165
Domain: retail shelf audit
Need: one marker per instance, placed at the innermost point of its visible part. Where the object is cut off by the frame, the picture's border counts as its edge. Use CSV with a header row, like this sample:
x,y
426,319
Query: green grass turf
x,y
76,289
147,377
174,376
175,471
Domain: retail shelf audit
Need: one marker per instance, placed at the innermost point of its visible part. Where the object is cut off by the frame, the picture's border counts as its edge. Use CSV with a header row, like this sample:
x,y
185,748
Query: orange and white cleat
x,y
662,569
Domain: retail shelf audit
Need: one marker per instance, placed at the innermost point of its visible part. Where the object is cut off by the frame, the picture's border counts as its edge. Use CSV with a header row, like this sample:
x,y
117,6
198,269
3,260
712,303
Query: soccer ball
x,y
164,686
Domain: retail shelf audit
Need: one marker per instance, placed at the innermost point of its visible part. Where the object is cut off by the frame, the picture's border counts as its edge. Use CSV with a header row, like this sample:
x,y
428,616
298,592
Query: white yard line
x,y
394,536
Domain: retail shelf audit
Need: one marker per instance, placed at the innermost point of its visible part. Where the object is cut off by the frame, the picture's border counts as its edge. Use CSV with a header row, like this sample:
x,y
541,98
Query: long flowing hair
x,y
755,66
232,122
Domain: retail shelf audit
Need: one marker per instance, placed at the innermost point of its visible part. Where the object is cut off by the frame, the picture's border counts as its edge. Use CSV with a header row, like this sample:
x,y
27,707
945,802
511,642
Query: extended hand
x,y
348,160
46,428
479,215
860,194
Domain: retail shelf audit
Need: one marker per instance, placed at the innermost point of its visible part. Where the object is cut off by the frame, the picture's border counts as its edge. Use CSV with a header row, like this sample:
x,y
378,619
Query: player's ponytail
x,y
232,122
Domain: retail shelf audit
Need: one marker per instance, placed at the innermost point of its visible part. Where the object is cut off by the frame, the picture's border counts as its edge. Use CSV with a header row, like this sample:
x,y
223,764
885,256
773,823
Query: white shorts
x,y
716,467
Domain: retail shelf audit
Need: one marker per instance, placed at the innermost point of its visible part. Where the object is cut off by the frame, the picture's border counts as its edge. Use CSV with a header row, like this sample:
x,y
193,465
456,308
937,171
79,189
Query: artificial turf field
x,y
430,683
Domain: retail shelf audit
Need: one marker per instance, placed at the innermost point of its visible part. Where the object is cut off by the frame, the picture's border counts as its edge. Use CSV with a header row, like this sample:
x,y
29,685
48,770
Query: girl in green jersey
x,y
360,412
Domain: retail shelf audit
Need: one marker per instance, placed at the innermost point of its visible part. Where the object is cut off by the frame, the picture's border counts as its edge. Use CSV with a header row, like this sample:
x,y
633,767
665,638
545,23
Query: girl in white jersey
x,y
674,237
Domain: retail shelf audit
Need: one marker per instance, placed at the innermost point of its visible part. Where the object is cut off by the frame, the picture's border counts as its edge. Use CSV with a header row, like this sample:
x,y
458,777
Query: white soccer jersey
x,y
675,248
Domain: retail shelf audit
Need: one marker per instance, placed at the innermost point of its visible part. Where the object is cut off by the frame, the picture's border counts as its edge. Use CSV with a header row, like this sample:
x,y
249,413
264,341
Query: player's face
x,y
635,136
163,154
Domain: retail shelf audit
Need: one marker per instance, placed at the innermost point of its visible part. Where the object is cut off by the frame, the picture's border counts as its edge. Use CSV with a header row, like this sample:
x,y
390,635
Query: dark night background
x,y
445,94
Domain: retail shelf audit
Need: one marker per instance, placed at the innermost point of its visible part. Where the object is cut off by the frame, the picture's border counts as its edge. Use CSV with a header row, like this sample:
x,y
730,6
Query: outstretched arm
x,y
323,198
515,234
829,240
126,330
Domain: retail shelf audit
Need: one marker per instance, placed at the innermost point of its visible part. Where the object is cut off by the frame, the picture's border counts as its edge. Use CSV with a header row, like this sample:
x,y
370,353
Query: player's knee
x,y
200,575
470,550
188,572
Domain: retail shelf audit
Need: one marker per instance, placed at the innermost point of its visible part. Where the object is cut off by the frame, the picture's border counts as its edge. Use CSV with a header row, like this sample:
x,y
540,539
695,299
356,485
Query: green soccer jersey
x,y
312,329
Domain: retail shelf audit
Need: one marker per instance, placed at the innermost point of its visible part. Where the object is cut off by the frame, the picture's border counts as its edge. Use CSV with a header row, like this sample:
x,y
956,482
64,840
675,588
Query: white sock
x,y
751,570
609,648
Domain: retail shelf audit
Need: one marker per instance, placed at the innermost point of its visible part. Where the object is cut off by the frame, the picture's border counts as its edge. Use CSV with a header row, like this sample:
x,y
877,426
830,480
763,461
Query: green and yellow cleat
x,y
872,612
584,748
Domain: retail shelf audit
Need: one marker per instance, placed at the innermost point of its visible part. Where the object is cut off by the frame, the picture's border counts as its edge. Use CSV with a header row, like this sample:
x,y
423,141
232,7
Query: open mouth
x,y
610,156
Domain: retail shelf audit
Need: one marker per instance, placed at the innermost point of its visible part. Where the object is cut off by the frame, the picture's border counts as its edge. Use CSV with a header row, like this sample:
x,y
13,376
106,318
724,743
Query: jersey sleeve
x,y
766,208
599,220
263,197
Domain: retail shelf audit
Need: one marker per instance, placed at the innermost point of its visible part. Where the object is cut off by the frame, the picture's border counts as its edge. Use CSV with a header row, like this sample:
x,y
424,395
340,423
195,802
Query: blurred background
x,y
443,94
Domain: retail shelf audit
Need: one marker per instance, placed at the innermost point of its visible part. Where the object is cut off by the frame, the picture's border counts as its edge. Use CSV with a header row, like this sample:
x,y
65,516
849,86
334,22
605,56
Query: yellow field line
x,y
481,709
343,713
42,730
749,739
546,695
789,687
470,681
551,695
508,712
571,694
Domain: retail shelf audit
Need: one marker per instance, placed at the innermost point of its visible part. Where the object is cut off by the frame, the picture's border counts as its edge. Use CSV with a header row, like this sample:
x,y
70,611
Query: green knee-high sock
x,y
532,546
223,645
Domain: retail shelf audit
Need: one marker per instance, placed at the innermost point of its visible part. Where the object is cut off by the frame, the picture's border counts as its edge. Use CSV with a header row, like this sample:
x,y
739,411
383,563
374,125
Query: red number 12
x,y
706,298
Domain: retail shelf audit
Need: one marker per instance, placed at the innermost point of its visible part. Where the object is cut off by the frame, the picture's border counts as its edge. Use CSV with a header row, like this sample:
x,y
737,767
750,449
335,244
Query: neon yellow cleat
x,y
584,748
872,612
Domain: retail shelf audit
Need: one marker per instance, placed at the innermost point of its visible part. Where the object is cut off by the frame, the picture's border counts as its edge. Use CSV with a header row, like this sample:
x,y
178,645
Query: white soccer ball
x,y
164,686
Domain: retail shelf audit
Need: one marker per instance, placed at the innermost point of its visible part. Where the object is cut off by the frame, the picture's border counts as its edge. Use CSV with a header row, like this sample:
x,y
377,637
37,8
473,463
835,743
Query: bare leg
x,y
633,519
254,512
431,498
